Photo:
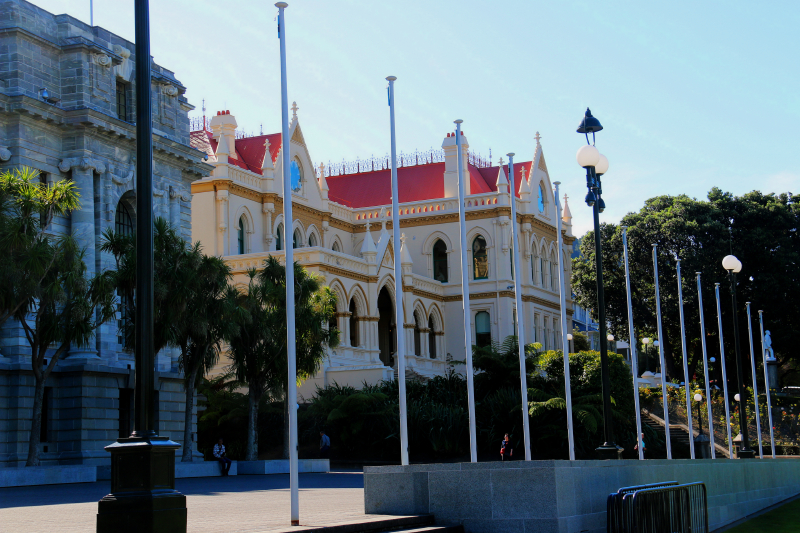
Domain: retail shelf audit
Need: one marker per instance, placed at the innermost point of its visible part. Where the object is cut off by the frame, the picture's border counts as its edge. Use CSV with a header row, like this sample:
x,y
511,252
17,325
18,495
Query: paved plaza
x,y
236,504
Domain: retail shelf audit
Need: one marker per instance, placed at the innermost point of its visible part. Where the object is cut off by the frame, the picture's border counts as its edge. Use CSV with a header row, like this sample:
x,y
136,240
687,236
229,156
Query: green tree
x,y
258,349
580,341
200,330
760,229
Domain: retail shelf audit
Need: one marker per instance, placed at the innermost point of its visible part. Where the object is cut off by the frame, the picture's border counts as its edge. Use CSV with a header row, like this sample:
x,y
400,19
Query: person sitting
x,y
219,454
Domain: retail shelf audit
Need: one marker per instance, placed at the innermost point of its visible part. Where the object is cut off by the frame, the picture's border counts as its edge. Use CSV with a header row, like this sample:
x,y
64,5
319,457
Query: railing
x,y
244,177
304,256
659,508
411,159
427,285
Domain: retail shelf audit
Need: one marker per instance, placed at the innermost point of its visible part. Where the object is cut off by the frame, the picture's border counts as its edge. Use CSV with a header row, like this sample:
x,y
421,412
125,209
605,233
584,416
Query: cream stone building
x,y
342,231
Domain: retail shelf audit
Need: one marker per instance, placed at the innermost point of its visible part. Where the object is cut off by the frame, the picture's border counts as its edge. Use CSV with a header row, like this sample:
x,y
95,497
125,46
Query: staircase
x,y
385,523
679,436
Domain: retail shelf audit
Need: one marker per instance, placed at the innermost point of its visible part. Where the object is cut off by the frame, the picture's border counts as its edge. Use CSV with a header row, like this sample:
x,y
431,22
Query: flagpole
x,y
398,287
473,440
291,396
705,368
755,384
523,374
685,358
661,357
634,358
766,385
724,375
564,342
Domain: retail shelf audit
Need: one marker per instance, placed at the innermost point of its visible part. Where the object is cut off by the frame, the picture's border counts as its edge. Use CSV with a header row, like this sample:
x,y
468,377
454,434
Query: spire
x,y
566,214
537,137
502,180
323,183
405,257
294,111
524,185
368,248
267,163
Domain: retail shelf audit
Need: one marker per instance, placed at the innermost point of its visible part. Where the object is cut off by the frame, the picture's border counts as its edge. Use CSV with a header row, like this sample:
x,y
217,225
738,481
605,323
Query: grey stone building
x,y
67,109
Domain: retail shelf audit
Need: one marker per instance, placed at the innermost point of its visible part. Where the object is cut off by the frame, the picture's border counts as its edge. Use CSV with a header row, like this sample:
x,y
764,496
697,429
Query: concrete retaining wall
x,y
46,475
281,466
567,496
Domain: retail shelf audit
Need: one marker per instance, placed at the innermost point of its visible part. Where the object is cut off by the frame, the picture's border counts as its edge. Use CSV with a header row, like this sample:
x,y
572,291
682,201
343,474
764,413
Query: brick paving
x,y
236,504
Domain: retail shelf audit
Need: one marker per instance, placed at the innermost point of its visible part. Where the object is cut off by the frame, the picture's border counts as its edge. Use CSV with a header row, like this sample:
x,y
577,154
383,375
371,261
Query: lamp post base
x,y
609,451
745,453
143,498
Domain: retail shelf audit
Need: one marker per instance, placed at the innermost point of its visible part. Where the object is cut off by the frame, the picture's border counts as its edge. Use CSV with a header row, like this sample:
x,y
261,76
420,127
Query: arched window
x,y
336,246
553,273
440,261
541,271
123,225
541,198
297,175
353,324
480,261
279,238
312,240
511,259
240,235
297,239
417,335
431,338
483,329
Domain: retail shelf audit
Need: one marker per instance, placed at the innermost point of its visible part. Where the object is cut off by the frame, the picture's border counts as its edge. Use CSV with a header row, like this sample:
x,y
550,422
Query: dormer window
x,y
297,175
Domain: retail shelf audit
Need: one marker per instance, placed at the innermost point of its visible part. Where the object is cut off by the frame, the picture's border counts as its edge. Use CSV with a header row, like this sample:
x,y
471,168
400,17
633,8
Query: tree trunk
x,y
187,417
36,422
252,425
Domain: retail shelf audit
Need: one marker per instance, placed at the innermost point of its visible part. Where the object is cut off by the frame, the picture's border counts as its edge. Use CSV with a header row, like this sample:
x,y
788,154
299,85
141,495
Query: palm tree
x,y
258,349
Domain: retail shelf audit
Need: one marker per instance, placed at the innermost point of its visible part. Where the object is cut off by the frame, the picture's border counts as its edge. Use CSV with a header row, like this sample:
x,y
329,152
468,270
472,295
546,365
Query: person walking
x,y
506,451
324,445
641,443
219,454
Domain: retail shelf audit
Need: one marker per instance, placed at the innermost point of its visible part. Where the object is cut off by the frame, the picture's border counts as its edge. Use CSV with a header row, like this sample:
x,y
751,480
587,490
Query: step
x,y
375,524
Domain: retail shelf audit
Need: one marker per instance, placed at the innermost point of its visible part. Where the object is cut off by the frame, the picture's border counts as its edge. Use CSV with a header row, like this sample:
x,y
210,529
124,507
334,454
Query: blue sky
x,y
691,94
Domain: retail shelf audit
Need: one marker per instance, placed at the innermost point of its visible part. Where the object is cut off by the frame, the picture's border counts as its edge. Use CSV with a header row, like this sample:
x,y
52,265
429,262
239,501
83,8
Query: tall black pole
x,y
143,496
609,449
143,324
745,452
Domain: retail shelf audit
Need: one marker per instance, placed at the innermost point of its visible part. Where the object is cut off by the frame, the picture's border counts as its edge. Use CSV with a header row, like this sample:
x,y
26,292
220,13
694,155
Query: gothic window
x,y
541,198
297,240
511,260
431,338
240,236
297,175
353,324
312,240
483,329
440,261
541,271
480,261
279,238
553,275
336,246
417,335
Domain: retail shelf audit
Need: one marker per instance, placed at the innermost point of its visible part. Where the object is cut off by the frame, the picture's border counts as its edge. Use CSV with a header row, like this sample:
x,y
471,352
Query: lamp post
x,y
734,266
646,342
143,465
596,165
569,343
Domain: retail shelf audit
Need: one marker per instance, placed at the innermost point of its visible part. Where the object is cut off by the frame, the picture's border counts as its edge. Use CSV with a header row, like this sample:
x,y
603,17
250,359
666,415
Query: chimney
x,y
223,125
451,165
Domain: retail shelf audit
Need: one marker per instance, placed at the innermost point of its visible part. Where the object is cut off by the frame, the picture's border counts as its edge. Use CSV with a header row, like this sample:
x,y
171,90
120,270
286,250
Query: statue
x,y
768,347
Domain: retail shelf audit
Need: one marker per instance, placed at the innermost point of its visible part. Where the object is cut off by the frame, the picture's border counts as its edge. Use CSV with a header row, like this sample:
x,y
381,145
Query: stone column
x,y
222,222
424,334
83,227
174,207
267,210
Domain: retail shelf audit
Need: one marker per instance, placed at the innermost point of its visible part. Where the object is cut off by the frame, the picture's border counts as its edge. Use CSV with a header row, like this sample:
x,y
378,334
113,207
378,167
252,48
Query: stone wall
x,y
567,496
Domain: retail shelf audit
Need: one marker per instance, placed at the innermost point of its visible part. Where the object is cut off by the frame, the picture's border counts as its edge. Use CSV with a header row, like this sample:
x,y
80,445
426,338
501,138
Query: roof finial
x,y
501,161
537,137
294,110
261,128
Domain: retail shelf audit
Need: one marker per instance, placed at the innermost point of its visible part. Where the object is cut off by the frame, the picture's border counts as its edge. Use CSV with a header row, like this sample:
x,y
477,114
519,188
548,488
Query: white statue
x,y
768,347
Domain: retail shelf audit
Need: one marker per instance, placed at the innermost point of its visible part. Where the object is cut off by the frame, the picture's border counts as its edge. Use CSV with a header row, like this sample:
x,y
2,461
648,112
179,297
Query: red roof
x,y
415,183
249,150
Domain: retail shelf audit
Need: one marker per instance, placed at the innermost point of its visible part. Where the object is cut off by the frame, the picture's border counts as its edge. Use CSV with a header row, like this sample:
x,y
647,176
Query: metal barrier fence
x,y
658,508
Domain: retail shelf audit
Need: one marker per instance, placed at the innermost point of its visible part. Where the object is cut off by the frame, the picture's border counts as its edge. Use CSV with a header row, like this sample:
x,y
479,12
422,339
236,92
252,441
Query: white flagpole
x,y
755,384
705,368
398,288
91,13
661,357
564,342
685,357
287,238
766,384
724,375
523,374
473,440
632,335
